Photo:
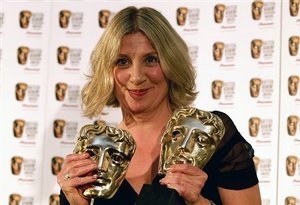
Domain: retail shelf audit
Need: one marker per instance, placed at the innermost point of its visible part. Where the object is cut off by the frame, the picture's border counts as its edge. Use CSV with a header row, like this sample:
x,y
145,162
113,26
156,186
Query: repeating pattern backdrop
x,y
248,63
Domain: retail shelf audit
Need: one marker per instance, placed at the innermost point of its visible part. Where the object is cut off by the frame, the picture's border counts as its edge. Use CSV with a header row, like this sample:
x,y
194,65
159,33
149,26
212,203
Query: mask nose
x,y
103,162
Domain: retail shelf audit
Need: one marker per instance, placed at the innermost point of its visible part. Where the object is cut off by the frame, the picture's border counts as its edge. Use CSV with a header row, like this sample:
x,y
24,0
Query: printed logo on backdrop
x,y
69,95
263,13
15,199
290,200
30,58
27,94
225,16
194,54
294,9
225,54
70,21
188,19
1,22
260,130
294,42
54,199
293,124
104,17
26,131
262,90
293,87
263,52
66,131
70,58
24,169
292,167
31,22
56,164
263,168
223,92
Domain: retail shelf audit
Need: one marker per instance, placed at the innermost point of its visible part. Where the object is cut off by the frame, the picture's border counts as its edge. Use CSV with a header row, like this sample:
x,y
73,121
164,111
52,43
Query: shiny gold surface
x,y
112,149
191,137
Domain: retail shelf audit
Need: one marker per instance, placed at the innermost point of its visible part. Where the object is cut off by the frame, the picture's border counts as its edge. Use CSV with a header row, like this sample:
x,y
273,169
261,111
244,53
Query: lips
x,y
101,181
137,92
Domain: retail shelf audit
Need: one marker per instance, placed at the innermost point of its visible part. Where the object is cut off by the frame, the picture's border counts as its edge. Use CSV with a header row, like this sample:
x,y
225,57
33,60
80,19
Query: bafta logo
x,y
104,18
257,7
16,165
112,149
294,7
256,161
293,83
255,84
181,15
21,91
216,89
24,18
15,199
256,45
22,55
253,126
290,200
60,91
54,199
218,48
219,13
62,54
18,127
292,124
64,18
56,164
58,128
291,164
191,137
294,45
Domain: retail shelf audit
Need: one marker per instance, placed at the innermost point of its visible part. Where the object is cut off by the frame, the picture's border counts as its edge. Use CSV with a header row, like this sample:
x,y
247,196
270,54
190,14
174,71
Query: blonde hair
x,y
171,49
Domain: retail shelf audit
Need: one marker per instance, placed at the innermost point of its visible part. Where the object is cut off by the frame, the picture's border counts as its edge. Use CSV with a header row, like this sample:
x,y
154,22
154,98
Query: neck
x,y
151,119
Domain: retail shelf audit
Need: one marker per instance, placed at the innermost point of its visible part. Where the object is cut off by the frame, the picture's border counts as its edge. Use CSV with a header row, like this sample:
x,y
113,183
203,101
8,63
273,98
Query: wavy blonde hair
x,y
171,48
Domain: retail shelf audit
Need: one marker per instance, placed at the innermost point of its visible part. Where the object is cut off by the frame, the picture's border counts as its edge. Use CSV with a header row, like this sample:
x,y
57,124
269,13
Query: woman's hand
x,y
75,176
187,180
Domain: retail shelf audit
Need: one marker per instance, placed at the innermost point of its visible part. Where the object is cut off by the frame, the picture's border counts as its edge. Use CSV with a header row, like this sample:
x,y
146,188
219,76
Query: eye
x,y
152,60
122,62
92,153
117,158
175,135
203,141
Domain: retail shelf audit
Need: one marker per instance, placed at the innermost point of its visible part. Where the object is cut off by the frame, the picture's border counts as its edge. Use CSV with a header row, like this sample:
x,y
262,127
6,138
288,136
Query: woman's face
x,y
140,84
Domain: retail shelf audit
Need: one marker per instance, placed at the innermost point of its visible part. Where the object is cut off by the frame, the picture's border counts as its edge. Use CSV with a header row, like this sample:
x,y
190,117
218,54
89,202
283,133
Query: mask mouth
x,y
101,181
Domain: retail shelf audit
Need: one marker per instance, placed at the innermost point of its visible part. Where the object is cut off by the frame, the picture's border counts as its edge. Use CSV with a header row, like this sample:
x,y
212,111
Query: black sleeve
x,y
63,199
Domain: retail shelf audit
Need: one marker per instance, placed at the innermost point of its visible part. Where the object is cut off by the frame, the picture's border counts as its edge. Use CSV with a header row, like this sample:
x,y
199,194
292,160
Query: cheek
x,y
155,74
121,76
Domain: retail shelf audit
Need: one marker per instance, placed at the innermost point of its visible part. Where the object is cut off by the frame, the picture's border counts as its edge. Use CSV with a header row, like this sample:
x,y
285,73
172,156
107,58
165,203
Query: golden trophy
x,y
112,149
191,137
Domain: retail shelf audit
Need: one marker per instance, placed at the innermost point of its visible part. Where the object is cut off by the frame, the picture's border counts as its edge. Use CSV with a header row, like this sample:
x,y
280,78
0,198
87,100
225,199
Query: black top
x,y
231,167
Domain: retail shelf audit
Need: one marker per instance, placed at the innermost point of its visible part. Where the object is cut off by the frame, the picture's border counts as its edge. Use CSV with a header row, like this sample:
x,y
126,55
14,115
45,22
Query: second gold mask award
x,y
112,149
191,137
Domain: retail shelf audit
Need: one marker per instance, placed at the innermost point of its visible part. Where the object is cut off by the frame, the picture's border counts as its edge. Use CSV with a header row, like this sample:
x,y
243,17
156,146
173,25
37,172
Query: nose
x,y
186,145
137,75
102,163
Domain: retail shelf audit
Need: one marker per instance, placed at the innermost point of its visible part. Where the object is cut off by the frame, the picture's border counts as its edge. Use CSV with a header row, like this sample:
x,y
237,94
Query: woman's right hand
x,y
75,176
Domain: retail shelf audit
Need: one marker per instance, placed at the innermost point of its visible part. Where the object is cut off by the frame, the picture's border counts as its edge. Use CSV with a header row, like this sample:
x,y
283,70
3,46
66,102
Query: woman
x,y
142,65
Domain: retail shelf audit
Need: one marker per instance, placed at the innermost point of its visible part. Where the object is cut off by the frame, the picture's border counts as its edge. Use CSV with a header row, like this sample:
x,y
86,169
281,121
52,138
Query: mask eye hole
x,y
92,153
175,135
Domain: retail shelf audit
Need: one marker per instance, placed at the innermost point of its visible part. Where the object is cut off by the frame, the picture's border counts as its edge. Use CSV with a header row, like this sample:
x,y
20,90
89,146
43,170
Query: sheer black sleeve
x,y
231,166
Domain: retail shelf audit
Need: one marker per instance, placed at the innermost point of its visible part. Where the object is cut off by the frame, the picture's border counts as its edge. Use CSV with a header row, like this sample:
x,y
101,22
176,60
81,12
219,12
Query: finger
x,y
77,181
185,168
75,157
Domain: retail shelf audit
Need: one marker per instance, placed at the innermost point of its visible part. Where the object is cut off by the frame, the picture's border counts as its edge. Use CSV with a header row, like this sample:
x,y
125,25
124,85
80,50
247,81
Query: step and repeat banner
x,y
248,65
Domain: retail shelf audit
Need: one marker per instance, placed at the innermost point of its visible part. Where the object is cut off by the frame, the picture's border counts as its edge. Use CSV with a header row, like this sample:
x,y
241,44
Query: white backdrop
x,y
37,146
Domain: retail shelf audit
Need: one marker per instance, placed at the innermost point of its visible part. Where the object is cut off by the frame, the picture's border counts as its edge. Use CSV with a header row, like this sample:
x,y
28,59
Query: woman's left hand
x,y
187,180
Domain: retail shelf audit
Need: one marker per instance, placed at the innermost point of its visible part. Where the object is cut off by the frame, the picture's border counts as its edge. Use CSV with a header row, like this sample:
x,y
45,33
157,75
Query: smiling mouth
x,y
138,92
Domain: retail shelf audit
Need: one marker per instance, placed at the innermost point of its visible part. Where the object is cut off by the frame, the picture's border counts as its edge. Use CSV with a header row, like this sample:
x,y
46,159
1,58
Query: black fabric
x,y
230,167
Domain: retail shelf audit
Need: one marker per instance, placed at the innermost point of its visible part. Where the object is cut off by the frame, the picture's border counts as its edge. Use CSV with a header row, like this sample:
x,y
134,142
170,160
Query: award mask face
x,y
191,137
112,149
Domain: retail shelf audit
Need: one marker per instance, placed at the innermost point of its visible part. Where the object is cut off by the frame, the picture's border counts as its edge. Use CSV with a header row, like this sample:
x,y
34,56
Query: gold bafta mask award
x,y
191,137
112,149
